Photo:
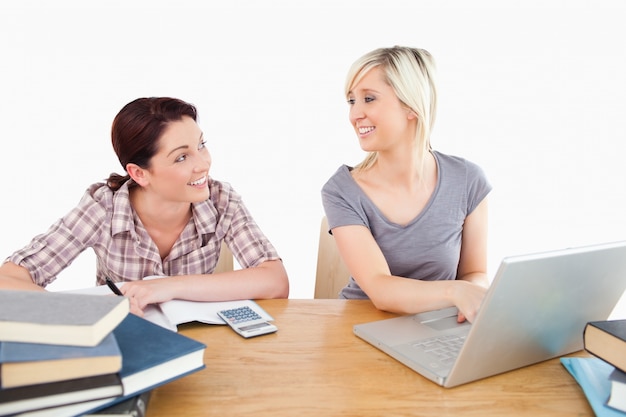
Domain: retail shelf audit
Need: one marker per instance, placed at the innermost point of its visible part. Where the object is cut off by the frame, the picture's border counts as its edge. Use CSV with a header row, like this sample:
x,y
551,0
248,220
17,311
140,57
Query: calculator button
x,y
239,315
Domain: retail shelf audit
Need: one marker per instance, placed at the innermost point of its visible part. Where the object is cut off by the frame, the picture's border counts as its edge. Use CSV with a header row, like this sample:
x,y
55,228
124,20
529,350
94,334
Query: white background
x,y
533,91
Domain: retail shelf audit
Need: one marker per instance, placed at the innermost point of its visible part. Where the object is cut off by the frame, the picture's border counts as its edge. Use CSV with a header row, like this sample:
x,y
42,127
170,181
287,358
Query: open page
x,y
180,311
172,313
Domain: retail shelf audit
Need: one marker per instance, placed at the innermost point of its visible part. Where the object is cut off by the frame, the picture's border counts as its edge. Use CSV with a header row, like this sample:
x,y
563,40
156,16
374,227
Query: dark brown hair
x,y
137,128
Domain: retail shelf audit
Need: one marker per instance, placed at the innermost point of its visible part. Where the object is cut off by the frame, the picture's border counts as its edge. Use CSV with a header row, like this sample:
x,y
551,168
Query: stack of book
x,y
603,378
74,354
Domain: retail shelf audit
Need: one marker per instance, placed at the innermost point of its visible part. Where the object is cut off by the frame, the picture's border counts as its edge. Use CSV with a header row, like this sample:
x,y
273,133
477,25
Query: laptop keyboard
x,y
445,348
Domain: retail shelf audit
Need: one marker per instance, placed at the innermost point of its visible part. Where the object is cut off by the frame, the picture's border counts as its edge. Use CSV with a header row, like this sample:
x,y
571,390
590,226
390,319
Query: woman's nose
x,y
203,162
356,113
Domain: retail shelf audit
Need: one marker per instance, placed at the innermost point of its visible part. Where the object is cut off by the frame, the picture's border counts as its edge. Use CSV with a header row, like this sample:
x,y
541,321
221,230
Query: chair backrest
x,y
225,261
332,274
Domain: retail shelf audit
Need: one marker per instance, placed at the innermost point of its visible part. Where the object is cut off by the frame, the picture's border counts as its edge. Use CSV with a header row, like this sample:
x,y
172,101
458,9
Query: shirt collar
x,y
205,217
204,214
122,220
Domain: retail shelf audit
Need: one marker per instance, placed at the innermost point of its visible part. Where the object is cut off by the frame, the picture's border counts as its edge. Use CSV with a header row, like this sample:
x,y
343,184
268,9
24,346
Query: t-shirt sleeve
x,y
478,186
340,202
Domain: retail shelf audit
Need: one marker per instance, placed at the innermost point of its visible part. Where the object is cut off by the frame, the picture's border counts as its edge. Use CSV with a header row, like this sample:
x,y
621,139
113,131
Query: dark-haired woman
x,y
165,217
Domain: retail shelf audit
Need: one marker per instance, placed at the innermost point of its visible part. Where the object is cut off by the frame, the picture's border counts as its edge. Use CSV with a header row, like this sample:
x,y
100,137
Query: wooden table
x,y
315,366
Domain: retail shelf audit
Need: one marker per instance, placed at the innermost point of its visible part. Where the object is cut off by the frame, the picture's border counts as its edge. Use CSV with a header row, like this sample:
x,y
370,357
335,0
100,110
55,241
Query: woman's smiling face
x,y
379,118
179,171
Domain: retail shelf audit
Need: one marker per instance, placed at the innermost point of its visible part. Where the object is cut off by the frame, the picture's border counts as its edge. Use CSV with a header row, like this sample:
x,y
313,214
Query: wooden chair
x,y
332,274
225,261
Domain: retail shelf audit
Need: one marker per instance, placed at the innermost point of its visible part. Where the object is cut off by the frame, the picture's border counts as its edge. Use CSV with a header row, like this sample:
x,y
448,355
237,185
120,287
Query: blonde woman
x,y
410,222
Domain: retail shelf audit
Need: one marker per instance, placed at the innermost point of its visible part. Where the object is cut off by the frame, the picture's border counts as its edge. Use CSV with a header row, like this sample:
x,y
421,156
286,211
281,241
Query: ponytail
x,y
115,181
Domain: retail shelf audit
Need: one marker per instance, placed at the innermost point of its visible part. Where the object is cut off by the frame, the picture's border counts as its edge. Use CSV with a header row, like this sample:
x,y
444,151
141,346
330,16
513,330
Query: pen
x,y
113,287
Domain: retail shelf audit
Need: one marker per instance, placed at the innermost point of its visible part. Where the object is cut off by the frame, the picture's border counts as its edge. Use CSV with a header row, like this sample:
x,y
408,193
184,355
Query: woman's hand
x,y
144,292
468,298
134,307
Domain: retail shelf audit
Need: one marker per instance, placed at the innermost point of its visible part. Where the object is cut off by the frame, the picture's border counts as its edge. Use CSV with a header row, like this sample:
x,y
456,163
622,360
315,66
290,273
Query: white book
x,y
171,313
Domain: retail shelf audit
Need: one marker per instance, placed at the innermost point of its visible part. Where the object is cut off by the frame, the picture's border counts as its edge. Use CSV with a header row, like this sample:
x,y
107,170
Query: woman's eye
x,y
202,145
181,158
350,101
369,99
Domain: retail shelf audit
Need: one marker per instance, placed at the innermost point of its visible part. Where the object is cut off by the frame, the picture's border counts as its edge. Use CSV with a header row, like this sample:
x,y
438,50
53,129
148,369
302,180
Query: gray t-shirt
x,y
428,247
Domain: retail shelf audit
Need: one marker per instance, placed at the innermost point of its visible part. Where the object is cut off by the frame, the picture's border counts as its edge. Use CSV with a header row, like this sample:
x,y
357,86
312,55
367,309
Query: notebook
x,y
535,309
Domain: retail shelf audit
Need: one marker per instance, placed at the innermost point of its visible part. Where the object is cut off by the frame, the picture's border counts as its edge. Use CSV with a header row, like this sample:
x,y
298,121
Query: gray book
x,y
59,318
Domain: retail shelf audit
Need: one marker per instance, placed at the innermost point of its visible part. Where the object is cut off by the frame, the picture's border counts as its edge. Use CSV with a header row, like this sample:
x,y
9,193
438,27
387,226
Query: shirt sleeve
x,y
49,253
478,186
241,233
341,201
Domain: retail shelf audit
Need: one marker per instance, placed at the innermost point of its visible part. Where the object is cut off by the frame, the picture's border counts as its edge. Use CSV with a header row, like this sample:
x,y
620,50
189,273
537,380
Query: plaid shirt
x,y
106,222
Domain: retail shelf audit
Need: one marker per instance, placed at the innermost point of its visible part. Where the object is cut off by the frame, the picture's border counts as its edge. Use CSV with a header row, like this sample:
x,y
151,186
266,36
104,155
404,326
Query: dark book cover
x,y
38,396
616,328
606,339
132,407
153,355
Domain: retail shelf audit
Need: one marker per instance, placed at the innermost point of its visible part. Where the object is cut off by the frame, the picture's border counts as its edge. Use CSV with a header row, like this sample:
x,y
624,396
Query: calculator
x,y
247,322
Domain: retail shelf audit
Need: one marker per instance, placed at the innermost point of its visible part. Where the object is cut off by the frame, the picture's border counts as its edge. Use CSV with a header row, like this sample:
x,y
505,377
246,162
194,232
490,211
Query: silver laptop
x,y
535,309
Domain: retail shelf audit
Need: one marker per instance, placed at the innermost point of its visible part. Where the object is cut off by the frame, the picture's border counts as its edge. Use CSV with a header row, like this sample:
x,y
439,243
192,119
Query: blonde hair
x,y
410,72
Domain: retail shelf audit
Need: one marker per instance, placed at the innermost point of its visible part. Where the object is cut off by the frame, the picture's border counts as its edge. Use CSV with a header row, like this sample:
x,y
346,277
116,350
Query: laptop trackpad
x,y
444,323
443,319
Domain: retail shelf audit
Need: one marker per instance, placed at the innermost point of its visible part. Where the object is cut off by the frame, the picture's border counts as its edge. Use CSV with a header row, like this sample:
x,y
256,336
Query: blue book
x,y
151,356
23,364
592,374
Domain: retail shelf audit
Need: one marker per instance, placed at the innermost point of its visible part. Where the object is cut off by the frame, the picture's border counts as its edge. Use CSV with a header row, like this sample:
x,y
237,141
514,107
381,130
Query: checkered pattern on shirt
x,y
105,222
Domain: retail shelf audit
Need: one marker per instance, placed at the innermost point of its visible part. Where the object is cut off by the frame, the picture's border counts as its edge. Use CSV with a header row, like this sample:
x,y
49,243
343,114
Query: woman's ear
x,y
138,174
